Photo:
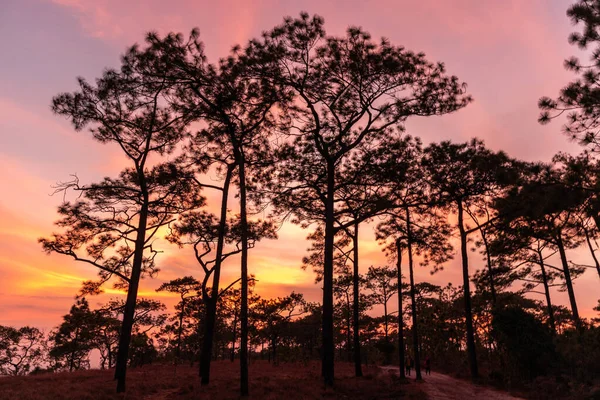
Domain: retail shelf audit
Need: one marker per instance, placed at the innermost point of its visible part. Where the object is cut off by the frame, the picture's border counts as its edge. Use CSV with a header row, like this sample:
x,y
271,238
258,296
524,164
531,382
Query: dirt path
x,y
163,395
443,387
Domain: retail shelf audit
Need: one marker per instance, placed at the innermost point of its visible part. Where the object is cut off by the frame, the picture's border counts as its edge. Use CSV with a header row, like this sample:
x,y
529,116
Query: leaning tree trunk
x,y
327,368
596,219
211,303
400,316
132,290
244,272
547,292
467,294
355,308
589,243
413,305
568,282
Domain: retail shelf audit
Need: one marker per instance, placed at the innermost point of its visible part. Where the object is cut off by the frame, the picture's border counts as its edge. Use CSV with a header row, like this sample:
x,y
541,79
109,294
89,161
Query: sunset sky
x,y
510,52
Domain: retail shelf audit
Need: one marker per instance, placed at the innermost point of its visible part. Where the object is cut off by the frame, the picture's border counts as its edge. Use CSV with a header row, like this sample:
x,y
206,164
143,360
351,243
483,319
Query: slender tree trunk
x,y
211,303
132,291
467,294
490,268
233,339
413,305
244,285
180,331
355,307
589,243
348,328
327,319
596,219
568,282
400,314
385,315
109,356
547,292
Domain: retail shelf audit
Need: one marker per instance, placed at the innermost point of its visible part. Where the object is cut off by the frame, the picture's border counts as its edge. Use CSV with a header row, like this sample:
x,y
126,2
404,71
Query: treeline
x,y
308,127
514,342
284,328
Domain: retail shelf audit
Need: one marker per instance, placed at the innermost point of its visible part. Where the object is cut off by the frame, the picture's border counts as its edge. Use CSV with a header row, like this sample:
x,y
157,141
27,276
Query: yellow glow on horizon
x,y
272,274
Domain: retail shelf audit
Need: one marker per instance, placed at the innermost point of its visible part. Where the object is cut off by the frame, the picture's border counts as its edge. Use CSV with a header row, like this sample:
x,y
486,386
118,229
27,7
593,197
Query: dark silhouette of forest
x,y
303,127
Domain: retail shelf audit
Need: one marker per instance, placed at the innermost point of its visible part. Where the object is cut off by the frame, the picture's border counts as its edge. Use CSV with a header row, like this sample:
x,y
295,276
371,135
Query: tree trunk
x,y
233,339
547,292
211,304
244,285
400,317
327,368
132,290
589,243
568,282
413,305
596,219
385,315
355,308
348,329
490,269
179,332
110,357
467,294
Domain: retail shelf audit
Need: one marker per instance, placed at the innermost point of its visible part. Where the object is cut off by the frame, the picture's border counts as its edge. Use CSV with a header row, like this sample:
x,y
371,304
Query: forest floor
x,y
287,381
444,387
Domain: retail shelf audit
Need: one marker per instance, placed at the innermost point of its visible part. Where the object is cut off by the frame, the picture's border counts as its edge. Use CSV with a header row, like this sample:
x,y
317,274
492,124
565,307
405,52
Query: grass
x,y
288,381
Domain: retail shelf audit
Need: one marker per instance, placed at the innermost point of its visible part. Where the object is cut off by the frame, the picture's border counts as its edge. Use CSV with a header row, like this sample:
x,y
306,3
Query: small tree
x,y
185,287
73,340
21,350
524,341
273,316
107,327
380,280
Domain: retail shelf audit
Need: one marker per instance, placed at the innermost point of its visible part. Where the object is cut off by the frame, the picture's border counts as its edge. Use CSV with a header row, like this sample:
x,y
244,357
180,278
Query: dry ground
x,y
444,387
288,381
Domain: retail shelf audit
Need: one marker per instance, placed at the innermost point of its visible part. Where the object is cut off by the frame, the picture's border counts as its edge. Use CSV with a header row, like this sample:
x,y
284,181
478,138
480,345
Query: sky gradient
x,y
510,53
